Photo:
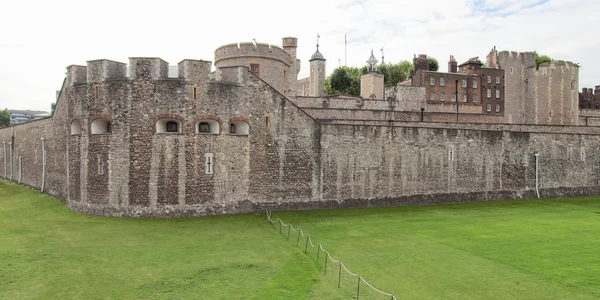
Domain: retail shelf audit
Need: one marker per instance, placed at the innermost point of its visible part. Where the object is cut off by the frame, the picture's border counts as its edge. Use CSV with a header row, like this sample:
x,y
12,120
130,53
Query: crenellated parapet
x,y
259,50
101,70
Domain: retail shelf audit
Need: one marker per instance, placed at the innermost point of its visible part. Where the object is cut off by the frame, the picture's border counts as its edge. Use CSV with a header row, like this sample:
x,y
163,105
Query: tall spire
x,y
317,55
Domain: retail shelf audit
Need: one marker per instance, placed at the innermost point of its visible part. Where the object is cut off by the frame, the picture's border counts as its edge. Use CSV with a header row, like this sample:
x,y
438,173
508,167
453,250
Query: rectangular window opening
x,y
195,93
255,69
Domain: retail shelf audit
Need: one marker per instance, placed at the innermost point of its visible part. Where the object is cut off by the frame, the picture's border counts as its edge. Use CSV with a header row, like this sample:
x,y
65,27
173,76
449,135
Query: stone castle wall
x,y
294,155
548,95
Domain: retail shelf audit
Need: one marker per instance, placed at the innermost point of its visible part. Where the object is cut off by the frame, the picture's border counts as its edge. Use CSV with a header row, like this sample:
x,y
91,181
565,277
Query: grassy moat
x,y
531,249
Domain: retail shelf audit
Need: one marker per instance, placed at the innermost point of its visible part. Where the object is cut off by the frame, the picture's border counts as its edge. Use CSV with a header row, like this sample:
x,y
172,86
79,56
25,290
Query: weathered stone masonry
x,y
104,153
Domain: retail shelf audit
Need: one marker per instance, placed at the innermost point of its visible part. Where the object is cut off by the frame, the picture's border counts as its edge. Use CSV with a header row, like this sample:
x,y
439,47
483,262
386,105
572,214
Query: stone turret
x,y
317,73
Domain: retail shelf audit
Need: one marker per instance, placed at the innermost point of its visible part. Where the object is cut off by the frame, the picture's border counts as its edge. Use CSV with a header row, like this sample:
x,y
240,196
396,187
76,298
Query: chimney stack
x,y
452,65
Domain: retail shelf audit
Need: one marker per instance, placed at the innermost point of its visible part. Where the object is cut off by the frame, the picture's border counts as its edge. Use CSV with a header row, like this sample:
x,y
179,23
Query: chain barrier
x,y
327,258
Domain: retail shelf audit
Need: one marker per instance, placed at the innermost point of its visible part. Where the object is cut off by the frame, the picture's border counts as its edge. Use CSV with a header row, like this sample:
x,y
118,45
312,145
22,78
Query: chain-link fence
x,y
334,271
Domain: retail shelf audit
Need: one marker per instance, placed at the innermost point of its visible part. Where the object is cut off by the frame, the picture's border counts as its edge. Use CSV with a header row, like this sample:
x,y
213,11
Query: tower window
x,y
204,127
268,121
208,126
195,93
172,126
255,69
168,125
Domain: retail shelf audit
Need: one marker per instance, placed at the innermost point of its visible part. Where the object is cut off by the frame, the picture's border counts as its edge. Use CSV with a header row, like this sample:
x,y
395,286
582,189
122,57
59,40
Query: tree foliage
x,y
346,80
432,64
540,59
4,118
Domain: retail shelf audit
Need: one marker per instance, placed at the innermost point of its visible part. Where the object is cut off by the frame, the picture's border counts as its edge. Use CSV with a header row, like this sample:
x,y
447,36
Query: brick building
x,y
479,88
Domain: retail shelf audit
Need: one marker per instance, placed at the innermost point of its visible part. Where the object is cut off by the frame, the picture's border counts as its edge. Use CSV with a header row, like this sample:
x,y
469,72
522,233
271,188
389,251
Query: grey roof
x,y
317,55
372,60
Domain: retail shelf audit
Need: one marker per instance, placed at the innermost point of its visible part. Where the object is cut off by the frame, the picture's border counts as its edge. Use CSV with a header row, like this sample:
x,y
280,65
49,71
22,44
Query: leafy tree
x,y
540,59
4,118
432,64
346,80
394,73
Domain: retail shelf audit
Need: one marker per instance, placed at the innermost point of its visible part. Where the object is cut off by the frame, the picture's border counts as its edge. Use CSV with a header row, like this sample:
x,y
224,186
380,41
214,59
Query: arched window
x,y
168,125
75,127
239,126
208,126
100,126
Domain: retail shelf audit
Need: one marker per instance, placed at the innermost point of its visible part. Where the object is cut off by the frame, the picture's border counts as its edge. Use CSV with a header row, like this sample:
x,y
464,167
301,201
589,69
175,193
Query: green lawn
x,y
49,252
533,249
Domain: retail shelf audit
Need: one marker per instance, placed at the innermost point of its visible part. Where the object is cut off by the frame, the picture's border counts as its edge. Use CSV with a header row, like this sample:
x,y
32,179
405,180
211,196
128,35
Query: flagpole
x,y
345,51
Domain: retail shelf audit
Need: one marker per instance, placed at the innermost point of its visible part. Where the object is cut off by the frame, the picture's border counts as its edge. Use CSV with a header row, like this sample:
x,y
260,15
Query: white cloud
x,y
40,39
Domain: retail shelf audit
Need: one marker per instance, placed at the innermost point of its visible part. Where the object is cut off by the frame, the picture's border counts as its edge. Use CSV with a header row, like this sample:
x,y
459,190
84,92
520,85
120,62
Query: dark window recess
x,y
254,68
232,128
172,126
203,127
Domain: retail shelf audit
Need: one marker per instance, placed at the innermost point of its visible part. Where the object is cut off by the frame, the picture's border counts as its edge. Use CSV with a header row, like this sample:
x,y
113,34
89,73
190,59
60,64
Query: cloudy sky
x,y
39,39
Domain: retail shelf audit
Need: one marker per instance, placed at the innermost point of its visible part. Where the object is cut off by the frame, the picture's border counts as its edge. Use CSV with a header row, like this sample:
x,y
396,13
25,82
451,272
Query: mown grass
x,y
531,249
49,252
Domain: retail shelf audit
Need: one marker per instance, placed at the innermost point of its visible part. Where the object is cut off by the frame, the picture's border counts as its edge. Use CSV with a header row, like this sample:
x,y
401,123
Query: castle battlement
x,y
154,68
261,50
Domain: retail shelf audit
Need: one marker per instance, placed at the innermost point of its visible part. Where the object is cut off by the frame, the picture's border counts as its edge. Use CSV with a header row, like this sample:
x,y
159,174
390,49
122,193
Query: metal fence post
x,y
358,288
279,226
306,247
298,239
326,255
340,275
318,248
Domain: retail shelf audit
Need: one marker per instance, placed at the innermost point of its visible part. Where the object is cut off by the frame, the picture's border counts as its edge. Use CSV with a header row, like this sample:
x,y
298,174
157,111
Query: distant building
x,y
23,116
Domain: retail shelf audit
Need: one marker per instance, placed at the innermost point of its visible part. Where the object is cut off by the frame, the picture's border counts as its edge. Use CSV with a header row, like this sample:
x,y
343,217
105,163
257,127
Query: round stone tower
x,y
273,64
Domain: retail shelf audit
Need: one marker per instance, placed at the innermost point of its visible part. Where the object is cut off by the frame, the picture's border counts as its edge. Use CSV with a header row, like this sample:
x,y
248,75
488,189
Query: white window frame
x,y
453,98
431,80
497,107
489,79
497,94
489,93
474,84
464,98
432,97
474,98
464,83
497,79
442,96
489,107
442,81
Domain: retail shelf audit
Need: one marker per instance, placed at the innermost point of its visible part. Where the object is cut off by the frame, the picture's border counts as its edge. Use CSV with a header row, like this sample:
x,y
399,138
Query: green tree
x,y
394,73
540,59
4,118
432,64
344,80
